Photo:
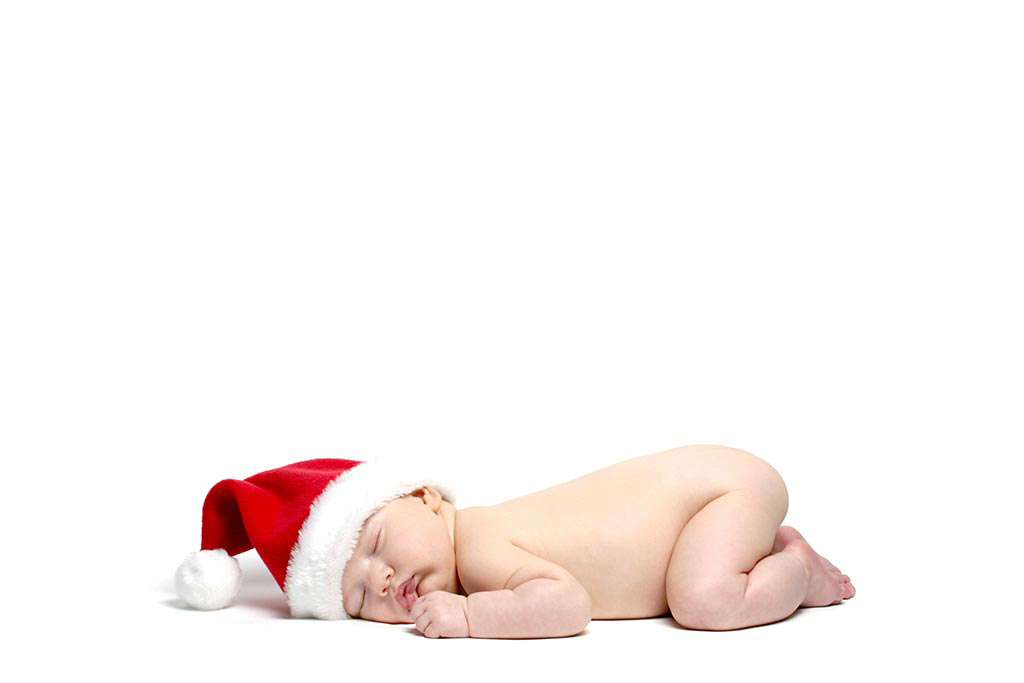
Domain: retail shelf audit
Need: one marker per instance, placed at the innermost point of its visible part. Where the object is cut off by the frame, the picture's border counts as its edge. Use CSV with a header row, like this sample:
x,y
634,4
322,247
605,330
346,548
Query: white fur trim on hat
x,y
330,533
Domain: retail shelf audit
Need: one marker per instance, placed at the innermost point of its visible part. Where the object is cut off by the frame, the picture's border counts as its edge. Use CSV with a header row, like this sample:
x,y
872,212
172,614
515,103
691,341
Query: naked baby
x,y
692,531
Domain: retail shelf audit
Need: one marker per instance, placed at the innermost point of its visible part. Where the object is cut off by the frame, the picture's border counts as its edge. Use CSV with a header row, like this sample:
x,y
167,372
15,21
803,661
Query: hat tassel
x,y
208,579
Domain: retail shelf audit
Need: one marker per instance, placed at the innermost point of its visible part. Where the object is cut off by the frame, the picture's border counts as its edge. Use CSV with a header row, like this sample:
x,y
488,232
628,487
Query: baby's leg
x,y
722,574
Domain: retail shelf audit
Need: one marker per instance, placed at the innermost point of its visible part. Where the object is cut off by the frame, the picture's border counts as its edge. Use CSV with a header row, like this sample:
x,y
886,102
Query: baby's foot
x,y
828,585
786,534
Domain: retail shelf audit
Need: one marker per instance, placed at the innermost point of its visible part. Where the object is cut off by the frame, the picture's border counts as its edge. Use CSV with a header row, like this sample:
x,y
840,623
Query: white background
x,y
525,241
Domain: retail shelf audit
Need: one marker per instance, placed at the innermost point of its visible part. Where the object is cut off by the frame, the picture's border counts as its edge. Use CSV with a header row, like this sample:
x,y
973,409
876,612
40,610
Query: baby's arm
x,y
537,598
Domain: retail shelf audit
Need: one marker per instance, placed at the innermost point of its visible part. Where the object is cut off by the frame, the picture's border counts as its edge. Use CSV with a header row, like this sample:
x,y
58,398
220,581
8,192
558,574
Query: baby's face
x,y
408,538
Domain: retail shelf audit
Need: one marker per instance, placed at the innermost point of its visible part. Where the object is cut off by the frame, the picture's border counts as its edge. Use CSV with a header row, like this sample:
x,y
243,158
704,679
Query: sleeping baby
x,y
692,532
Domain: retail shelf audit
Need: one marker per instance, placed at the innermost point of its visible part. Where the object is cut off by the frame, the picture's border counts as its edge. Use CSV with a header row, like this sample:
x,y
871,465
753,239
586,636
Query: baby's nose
x,y
388,574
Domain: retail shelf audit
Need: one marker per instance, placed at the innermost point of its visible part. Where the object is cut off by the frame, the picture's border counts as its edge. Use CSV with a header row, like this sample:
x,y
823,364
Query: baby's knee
x,y
702,611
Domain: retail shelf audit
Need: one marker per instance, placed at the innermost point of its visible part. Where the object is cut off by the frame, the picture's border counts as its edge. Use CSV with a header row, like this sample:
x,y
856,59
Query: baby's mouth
x,y
407,593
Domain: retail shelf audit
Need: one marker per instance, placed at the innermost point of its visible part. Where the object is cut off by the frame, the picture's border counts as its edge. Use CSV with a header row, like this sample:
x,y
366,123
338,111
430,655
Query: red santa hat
x,y
304,520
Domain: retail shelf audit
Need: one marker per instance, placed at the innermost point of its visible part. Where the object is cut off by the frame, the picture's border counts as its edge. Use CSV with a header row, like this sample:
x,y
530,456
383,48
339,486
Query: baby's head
x,y
409,539
340,537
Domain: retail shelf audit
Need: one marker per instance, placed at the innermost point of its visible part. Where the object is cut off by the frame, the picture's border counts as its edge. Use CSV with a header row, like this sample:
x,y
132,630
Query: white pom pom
x,y
208,579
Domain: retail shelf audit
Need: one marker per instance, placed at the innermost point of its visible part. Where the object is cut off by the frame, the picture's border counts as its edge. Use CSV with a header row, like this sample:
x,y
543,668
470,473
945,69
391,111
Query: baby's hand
x,y
441,615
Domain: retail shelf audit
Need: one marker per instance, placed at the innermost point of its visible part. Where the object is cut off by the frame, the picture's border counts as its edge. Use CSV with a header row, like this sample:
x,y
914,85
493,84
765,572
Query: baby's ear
x,y
429,496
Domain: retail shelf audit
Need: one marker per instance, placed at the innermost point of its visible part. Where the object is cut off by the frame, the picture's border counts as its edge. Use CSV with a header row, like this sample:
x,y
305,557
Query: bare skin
x,y
693,532
827,585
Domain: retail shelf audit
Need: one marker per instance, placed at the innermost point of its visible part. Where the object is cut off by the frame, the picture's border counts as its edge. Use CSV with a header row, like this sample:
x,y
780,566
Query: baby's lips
x,y
406,591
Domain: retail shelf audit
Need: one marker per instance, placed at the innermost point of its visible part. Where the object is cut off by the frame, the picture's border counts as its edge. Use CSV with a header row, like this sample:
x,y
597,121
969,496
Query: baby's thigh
x,y
736,524
716,547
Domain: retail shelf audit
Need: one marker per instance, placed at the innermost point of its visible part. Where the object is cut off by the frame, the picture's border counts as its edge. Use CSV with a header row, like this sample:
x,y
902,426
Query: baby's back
x,y
614,529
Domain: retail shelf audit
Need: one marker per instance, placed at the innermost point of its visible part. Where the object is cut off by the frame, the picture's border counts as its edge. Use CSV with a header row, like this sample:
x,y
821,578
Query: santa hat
x,y
303,519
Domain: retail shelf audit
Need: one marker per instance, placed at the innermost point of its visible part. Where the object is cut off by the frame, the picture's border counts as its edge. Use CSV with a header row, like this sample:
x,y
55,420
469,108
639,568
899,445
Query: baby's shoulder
x,y
476,527
488,560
